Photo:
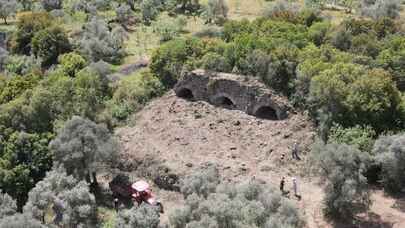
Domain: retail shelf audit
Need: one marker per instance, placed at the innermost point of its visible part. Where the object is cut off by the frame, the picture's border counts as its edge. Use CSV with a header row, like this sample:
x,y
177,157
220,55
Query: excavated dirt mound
x,y
185,135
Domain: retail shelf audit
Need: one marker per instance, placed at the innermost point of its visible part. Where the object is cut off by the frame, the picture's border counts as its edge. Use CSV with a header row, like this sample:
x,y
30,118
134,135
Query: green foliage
x,y
27,25
8,206
169,60
247,204
82,147
71,63
360,137
24,160
22,65
99,43
17,85
50,5
216,11
390,153
7,8
355,95
169,28
317,33
133,92
20,221
215,62
68,200
48,44
342,168
144,216
201,183
150,10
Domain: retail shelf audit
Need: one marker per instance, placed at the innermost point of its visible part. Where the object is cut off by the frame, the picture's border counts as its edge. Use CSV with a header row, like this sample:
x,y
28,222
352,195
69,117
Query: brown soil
x,y
185,135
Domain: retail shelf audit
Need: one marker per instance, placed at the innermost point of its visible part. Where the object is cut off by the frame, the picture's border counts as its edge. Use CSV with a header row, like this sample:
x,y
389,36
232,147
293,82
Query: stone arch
x,y
266,112
223,100
185,93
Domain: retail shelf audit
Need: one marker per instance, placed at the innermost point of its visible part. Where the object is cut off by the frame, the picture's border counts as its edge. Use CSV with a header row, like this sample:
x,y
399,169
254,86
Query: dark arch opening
x,y
225,102
186,94
266,112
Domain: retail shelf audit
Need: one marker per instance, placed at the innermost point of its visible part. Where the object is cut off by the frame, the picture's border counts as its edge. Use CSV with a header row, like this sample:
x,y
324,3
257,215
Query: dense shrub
x,y
247,204
150,10
7,8
69,200
48,44
380,8
342,168
349,91
216,11
360,137
390,153
22,65
15,86
168,28
99,43
19,221
82,147
27,25
144,216
8,206
50,5
169,60
71,63
132,92
25,160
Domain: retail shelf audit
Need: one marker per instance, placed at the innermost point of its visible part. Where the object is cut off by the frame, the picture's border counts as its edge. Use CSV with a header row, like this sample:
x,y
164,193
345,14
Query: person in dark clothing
x,y
282,182
116,204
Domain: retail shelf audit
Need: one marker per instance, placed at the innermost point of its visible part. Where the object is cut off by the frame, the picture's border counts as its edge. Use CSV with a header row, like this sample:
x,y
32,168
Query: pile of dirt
x,y
185,135
177,136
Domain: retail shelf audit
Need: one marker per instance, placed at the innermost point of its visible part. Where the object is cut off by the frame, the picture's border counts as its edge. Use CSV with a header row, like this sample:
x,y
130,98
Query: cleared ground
x,y
186,135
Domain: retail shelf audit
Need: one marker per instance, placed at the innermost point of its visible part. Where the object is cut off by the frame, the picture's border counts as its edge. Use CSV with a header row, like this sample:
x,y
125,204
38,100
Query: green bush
x,y
71,63
360,137
28,24
169,60
247,204
390,154
144,216
342,167
48,44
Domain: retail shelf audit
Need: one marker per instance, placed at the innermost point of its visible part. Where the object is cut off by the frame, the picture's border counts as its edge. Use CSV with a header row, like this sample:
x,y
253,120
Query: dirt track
x,y
186,135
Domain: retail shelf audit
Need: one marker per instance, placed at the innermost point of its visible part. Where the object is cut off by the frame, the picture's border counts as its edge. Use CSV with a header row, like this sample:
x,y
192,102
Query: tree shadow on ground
x,y
373,220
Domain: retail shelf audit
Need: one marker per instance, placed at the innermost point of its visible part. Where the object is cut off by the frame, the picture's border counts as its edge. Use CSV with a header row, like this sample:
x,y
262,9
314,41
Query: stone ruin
x,y
232,91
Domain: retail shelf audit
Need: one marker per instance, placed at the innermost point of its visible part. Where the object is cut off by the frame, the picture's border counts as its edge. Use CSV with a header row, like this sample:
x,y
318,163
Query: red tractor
x,y
139,192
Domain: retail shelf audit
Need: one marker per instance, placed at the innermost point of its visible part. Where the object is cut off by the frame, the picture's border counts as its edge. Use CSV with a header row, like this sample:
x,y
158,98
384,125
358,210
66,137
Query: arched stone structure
x,y
266,112
223,100
233,92
185,93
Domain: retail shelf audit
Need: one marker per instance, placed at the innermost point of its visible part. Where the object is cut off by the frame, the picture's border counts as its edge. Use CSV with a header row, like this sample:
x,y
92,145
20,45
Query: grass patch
x,y
107,217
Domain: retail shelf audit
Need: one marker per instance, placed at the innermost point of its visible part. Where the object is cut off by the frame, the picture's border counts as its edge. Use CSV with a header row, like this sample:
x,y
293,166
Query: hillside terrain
x,y
186,135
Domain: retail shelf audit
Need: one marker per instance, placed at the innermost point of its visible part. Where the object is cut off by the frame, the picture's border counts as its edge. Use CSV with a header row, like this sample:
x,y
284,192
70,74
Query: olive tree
x,y
20,221
7,8
390,153
216,11
222,205
8,206
99,43
144,216
83,147
342,168
70,201
380,8
50,5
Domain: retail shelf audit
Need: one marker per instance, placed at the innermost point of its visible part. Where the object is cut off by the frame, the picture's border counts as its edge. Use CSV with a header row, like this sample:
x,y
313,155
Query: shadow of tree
x,y
371,221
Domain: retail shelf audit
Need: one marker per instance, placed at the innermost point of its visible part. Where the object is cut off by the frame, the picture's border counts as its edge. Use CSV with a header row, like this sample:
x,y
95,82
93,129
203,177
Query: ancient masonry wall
x,y
233,92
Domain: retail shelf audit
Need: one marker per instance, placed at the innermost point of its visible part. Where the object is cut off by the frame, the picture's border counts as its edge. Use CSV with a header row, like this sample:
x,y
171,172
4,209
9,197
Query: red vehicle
x,y
139,192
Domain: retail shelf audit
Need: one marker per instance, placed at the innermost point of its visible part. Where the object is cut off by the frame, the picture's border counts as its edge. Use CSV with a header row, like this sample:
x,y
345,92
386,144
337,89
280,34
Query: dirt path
x,y
186,135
